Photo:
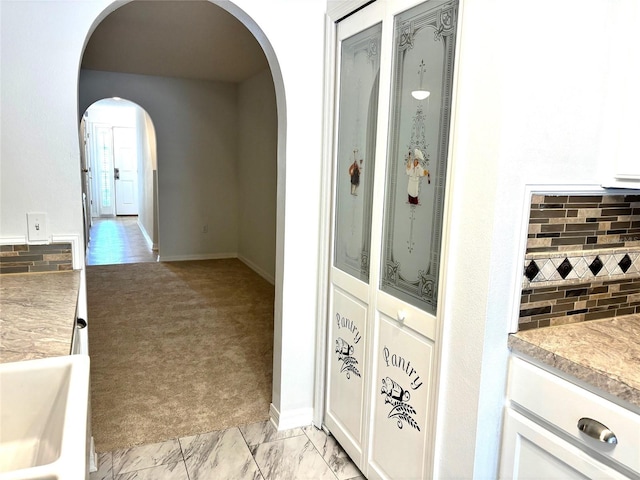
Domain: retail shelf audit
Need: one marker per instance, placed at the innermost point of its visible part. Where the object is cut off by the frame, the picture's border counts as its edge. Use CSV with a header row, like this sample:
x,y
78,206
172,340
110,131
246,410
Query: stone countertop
x,y
604,354
37,314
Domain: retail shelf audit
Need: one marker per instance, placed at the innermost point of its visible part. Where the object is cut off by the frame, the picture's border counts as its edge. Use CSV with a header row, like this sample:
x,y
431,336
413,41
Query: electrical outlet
x,y
205,228
37,227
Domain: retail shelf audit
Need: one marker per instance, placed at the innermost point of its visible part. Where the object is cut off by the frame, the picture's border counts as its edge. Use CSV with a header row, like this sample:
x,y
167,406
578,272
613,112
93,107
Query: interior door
x,y
388,234
355,149
125,170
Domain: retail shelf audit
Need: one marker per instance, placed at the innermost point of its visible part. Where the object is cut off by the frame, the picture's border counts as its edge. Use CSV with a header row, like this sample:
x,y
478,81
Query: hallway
x,y
118,240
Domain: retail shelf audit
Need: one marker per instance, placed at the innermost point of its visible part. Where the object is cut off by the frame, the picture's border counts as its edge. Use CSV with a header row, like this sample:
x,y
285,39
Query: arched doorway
x,y
174,103
120,166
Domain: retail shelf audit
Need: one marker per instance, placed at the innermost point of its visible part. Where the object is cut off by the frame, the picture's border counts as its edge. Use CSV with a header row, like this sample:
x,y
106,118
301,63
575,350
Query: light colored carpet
x,y
177,349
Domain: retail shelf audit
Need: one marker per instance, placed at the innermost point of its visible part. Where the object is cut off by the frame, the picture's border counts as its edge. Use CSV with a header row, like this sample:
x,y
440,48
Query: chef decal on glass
x,y
354,173
417,151
398,398
415,168
359,73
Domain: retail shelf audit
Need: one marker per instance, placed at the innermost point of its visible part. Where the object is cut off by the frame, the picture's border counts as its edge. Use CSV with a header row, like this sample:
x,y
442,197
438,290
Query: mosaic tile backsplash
x,y
35,258
582,259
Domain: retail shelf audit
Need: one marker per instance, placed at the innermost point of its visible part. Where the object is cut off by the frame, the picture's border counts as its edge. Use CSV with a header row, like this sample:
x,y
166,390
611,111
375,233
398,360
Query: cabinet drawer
x,y
563,404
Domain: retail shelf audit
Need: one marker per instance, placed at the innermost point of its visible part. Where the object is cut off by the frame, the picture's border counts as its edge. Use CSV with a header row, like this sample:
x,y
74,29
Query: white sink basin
x,y
44,418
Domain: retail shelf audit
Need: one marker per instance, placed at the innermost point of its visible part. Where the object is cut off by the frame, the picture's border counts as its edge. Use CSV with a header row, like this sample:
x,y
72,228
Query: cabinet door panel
x,y
401,402
347,367
530,452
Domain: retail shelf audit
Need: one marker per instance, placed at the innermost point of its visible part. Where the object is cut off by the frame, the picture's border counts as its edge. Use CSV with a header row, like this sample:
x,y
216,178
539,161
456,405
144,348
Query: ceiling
x,y
175,38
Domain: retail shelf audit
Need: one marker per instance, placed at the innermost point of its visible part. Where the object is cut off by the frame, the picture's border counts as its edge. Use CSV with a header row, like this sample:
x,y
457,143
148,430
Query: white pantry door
x,y
354,164
393,101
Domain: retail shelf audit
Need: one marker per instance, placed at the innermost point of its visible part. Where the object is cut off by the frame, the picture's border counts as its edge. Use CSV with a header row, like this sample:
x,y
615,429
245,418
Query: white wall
x,y
39,119
195,124
147,168
257,173
42,44
534,82
291,32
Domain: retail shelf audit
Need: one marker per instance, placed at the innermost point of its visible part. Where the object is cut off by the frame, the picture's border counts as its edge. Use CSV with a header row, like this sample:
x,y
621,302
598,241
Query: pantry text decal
x,y
396,394
344,349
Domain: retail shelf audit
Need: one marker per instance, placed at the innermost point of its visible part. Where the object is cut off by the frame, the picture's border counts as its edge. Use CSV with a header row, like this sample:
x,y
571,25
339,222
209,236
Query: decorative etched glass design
x,y
424,45
356,142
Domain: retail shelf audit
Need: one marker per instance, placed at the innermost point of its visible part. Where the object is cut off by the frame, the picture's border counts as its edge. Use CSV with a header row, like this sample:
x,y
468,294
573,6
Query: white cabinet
x,y
532,452
543,438
619,124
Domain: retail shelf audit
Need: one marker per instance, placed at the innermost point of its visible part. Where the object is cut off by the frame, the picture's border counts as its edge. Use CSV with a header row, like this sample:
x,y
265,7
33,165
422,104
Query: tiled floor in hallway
x,y
251,452
116,240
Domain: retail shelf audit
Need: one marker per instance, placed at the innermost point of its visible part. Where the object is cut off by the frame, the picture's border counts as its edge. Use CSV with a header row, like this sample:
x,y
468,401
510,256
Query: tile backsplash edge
x,y
582,259
25,258
543,269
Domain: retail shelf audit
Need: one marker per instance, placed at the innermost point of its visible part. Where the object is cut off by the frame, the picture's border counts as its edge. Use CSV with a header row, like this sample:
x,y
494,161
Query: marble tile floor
x,y
250,452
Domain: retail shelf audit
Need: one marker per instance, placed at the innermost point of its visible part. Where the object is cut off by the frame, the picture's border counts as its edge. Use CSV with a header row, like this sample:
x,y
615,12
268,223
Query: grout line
x,y
319,453
184,460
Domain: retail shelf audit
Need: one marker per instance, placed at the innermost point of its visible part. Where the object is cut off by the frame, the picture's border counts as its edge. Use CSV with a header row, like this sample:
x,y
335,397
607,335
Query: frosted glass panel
x,y
357,110
424,44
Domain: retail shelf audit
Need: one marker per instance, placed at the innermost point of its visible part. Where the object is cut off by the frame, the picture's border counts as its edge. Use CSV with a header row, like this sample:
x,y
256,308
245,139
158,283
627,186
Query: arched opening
x,y
213,159
119,181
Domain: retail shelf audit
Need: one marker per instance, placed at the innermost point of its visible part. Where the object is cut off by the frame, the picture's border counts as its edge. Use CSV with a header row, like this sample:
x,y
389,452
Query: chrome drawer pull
x,y
596,430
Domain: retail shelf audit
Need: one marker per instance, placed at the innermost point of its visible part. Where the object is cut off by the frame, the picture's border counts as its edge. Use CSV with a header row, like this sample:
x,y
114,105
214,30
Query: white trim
x,y
197,256
260,271
274,416
146,236
13,240
301,417
93,457
339,9
325,219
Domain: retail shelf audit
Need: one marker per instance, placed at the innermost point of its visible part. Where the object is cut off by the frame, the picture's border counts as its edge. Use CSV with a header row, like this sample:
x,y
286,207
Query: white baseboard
x,y
196,256
268,277
301,417
93,457
146,236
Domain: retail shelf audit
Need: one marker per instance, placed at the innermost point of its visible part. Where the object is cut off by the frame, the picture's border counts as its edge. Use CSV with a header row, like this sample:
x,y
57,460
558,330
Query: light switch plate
x,y
37,227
